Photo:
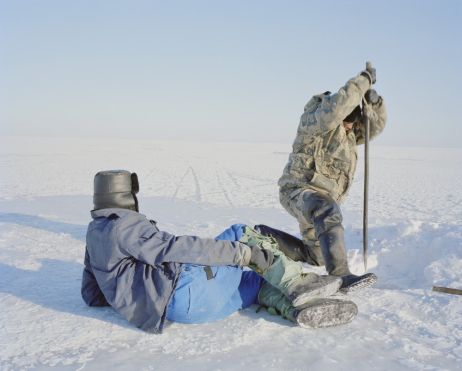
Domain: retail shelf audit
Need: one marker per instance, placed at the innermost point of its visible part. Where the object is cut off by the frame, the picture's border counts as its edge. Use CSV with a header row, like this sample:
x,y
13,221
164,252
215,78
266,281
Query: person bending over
x,y
320,172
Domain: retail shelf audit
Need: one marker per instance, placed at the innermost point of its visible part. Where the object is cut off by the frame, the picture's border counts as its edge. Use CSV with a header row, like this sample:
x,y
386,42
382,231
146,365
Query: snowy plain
x,y
200,189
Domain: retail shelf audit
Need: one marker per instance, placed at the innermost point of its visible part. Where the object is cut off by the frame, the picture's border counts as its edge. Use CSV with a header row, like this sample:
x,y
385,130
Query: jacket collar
x,y
112,211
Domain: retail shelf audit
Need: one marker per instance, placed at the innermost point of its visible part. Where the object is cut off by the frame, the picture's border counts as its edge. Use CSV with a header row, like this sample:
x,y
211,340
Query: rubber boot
x,y
316,313
336,262
287,275
293,247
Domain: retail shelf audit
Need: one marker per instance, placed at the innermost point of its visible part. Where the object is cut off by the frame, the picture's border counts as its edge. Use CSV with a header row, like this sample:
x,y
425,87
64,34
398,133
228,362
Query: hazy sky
x,y
224,71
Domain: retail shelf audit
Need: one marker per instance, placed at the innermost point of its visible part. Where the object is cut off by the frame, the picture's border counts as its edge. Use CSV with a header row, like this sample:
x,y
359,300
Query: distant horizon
x,y
374,143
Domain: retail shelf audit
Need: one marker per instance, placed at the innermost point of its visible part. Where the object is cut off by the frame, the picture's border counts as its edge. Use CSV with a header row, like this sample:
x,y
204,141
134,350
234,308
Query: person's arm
x,y
91,293
147,244
334,108
377,114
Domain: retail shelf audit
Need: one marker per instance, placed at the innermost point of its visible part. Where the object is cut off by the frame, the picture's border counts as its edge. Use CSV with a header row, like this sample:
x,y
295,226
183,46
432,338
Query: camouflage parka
x,y
324,155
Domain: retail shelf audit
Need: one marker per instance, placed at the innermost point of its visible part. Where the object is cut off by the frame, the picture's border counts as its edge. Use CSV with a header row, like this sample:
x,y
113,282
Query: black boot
x,y
333,250
293,247
353,282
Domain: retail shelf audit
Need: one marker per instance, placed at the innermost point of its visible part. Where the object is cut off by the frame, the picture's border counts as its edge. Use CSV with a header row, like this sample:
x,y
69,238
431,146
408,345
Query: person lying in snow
x,y
148,275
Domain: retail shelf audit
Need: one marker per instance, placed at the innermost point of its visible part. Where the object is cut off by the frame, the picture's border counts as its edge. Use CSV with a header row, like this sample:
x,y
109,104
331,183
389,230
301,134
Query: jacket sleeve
x,y
377,120
146,243
334,108
90,290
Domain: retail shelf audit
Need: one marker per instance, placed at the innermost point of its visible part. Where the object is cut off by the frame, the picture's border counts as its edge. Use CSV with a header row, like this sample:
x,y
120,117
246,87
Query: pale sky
x,y
224,71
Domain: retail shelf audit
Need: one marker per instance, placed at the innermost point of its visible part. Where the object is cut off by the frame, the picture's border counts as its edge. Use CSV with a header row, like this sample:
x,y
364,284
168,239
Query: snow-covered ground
x,y
201,188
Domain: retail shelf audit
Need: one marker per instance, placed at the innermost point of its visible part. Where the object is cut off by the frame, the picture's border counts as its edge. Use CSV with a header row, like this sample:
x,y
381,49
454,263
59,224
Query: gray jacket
x,y
133,267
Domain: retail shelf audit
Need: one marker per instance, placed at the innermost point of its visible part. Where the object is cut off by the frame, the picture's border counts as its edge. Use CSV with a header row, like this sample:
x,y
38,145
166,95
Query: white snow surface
x,y
199,189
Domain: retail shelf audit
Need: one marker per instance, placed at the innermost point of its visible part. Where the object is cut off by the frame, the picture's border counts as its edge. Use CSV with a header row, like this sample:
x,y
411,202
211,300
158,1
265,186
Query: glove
x,y
260,259
372,97
370,73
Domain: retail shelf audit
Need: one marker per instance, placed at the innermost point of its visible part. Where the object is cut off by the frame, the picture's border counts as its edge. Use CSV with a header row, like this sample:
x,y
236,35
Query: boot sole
x,y
321,313
361,284
323,291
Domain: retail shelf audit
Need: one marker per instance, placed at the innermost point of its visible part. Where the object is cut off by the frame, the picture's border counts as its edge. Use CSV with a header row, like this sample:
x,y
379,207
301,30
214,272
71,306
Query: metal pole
x,y
366,187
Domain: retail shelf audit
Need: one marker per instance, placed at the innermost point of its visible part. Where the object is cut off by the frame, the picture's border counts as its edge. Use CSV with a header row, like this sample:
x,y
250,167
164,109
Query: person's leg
x,y
284,273
287,275
316,313
200,298
292,247
312,248
205,294
247,293
321,312
325,215
309,251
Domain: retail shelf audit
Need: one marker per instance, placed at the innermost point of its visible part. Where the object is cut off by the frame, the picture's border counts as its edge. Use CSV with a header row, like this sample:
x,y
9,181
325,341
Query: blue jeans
x,y
199,299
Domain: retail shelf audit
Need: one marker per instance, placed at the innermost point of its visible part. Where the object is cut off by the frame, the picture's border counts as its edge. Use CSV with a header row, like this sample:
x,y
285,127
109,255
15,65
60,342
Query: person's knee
x,y
233,233
322,211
